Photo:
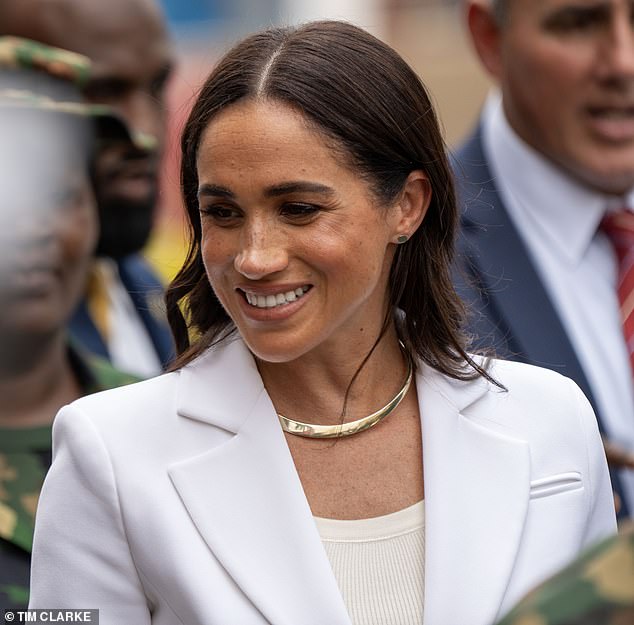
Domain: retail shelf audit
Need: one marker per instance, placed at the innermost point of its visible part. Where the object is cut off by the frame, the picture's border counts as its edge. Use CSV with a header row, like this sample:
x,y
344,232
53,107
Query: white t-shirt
x,y
379,565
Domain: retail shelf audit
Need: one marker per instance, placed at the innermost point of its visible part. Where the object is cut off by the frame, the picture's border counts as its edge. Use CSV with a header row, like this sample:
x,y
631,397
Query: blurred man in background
x,y
127,42
48,233
547,187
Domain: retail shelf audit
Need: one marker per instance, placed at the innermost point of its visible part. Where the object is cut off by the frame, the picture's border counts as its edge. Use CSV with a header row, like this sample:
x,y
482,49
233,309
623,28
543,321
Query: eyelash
x,y
305,210
218,212
294,212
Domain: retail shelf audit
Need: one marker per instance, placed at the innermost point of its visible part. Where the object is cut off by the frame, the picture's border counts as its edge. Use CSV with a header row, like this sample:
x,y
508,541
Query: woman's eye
x,y
299,210
221,214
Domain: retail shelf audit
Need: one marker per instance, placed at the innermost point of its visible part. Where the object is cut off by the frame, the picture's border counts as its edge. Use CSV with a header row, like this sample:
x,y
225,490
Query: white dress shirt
x,y
558,219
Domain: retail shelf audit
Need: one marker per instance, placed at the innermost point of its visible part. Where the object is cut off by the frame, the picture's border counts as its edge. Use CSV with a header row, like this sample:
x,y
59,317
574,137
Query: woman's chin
x,y
275,356
276,349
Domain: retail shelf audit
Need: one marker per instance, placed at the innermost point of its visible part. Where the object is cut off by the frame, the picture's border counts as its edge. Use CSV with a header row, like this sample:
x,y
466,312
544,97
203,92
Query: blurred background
x,y
429,34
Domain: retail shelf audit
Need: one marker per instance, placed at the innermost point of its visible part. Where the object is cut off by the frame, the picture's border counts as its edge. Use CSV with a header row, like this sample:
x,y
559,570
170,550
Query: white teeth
x,y
279,299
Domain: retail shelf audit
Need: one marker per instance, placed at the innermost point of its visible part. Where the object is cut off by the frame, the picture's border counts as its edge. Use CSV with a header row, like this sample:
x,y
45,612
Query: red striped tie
x,y
619,226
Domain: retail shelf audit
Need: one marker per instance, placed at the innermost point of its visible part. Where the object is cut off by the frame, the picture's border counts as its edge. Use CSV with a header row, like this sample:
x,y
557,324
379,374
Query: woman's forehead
x,y
256,134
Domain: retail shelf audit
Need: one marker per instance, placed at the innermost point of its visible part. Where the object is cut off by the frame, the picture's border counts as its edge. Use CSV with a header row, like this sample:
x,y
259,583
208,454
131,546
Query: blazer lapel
x,y
476,500
498,259
253,514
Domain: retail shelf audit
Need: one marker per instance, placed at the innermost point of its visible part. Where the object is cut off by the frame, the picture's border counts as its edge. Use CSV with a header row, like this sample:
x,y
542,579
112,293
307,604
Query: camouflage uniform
x,y
25,456
596,589
38,79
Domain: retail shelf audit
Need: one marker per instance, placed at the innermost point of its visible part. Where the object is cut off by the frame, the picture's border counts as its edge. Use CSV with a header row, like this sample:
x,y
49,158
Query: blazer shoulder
x,y
530,380
537,399
546,410
141,403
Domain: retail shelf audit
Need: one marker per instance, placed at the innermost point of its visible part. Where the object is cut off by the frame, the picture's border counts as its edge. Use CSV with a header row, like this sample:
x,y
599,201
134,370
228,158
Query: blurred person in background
x,y
324,450
121,317
596,589
547,191
48,233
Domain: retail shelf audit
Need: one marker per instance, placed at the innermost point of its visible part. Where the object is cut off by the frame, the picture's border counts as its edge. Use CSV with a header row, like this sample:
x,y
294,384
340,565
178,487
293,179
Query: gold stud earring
x,y
402,238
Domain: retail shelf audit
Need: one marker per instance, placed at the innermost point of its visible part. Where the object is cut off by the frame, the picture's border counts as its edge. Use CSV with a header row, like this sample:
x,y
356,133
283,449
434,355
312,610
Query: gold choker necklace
x,y
310,430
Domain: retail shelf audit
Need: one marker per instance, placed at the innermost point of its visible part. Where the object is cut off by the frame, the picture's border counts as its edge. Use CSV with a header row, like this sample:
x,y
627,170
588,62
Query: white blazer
x,y
176,500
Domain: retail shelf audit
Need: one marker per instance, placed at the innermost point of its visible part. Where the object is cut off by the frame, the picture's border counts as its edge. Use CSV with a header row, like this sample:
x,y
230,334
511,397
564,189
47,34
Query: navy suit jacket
x,y
508,305
144,289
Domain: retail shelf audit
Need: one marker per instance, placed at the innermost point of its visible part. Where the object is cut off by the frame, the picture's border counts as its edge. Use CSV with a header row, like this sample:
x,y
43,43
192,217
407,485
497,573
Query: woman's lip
x,y
272,289
277,313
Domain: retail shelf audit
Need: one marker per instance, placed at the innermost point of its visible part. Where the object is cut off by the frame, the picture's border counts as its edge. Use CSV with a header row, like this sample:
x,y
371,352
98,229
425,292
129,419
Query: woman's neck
x,y
313,388
36,379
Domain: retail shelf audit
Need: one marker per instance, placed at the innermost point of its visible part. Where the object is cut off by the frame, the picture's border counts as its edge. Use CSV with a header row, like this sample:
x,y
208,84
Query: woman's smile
x,y
277,307
277,299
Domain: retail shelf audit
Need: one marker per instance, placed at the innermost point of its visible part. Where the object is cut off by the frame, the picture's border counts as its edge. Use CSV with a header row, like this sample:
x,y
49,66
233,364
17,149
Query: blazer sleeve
x,y
601,517
81,558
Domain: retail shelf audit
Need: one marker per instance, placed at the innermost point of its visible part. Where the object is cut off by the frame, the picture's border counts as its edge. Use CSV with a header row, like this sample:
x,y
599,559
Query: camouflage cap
x,y
34,76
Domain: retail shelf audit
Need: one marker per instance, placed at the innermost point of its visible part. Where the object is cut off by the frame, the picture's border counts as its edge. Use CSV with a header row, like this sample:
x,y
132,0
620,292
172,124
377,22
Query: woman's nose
x,y
261,255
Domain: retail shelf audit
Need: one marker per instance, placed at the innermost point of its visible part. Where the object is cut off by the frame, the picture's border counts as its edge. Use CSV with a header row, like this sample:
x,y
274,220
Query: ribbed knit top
x,y
378,564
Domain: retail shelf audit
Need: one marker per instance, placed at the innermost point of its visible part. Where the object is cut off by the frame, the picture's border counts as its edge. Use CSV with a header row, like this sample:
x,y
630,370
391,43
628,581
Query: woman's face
x,y
48,231
295,246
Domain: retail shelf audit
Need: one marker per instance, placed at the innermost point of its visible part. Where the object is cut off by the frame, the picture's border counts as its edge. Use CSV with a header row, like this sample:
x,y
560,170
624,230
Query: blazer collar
x,y
260,526
245,496
476,498
227,374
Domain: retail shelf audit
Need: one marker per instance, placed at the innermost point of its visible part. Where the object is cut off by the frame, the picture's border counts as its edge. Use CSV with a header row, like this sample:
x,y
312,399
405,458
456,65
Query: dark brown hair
x,y
362,95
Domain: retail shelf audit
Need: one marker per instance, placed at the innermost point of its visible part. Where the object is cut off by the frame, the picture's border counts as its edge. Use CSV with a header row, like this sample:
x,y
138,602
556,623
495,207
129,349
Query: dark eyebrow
x,y
594,12
285,188
215,190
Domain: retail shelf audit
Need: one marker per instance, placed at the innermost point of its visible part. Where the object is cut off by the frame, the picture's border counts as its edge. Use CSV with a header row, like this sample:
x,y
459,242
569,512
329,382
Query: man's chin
x,y
125,223
115,245
616,180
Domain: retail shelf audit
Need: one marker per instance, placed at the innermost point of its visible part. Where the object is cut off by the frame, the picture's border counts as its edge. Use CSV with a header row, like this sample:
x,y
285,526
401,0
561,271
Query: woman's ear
x,y
412,205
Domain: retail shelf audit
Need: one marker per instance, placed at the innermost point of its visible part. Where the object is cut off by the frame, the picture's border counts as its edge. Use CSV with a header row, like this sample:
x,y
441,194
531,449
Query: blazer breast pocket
x,y
556,484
